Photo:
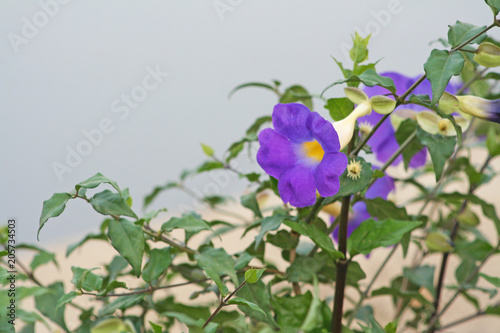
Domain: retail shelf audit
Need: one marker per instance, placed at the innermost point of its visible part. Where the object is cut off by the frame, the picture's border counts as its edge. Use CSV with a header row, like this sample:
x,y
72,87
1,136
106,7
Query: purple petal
x,y
419,159
296,186
324,132
276,153
380,188
326,176
357,217
384,132
289,120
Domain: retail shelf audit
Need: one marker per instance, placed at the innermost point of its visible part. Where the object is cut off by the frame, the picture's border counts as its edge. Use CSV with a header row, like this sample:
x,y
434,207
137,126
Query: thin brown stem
x,y
157,235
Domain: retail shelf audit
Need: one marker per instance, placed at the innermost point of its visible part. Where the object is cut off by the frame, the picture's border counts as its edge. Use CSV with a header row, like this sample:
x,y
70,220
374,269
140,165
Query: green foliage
x,y
128,239
339,108
461,32
439,68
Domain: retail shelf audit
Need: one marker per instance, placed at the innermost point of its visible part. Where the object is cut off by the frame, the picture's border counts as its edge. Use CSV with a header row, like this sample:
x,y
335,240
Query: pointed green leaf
x,y
110,203
66,298
128,239
240,301
253,275
95,181
440,148
85,279
359,51
267,224
53,207
159,261
439,68
76,245
494,5
47,304
112,286
339,108
372,234
461,32
252,84
217,261
321,239
188,222
297,93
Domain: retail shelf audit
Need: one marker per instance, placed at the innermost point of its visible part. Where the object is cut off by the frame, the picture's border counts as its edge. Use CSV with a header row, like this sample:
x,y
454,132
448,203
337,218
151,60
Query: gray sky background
x,y
69,75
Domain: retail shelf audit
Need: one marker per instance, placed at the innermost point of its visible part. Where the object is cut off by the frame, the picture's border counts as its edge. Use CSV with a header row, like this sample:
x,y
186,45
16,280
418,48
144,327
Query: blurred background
x,y
131,89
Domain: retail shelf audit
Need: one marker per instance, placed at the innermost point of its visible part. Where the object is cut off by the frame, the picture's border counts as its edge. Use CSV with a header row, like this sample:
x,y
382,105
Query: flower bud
x,y
488,55
448,103
345,127
437,241
355,95
480,107
382,104
468,218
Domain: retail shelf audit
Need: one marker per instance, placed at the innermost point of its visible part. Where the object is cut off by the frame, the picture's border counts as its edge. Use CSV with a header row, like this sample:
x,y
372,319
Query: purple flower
x,y
302,152
384,142
381,188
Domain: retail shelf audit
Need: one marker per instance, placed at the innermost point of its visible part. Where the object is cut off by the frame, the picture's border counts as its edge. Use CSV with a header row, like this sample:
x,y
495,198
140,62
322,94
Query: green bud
x,y
355,95
437,241
359,51
207,150
493,142
468,218
448,103
382,104
488,55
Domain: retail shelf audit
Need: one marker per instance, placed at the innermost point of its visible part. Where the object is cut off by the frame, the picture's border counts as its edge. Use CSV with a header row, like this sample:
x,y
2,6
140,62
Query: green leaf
x,y
254,128
253,275
128,239
157,190
235,149
95,181
250,201
23,292
488,209
42,258
207,150
110,203
218,262
47,304
422,276
124,302
439,68
385,209
66,298
405,129
241,301
491,279
52,207
440,148
297,93
283,240
339,108
291,311
156,328
85,279
401,294
464,270
461,32
267,224
372,234
320,238
493,310
359,51
258,294
209,166
112,286
159,261
88,237
494,5
252,84
369,78
188,222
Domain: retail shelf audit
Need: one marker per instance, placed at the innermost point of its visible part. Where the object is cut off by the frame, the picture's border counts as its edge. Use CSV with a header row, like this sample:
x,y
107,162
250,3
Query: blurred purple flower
x,y
381,188
384,143
302,152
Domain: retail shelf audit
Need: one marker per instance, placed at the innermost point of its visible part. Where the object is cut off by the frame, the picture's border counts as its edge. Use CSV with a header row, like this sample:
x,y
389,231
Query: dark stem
x,y
223,302
342,265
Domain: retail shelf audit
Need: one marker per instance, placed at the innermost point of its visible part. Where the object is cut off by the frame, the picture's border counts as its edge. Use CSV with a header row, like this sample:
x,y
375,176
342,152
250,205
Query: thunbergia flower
x,y
384,142
302,152
381,188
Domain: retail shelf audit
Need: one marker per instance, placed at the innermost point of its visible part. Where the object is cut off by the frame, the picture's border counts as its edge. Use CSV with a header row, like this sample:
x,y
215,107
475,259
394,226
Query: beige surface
x,y
95,253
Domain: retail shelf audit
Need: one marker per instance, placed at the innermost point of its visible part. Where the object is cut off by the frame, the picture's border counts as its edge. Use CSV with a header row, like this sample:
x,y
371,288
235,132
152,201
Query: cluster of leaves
x,y
250,289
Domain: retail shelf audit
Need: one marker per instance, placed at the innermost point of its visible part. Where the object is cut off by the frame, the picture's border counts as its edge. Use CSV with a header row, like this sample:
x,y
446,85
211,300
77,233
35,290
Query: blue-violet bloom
x,y
384,142
302,152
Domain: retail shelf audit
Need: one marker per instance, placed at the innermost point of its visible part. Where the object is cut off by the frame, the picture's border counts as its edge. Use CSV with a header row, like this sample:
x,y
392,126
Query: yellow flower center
x,y
365,128
313,150
443,126
354,170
